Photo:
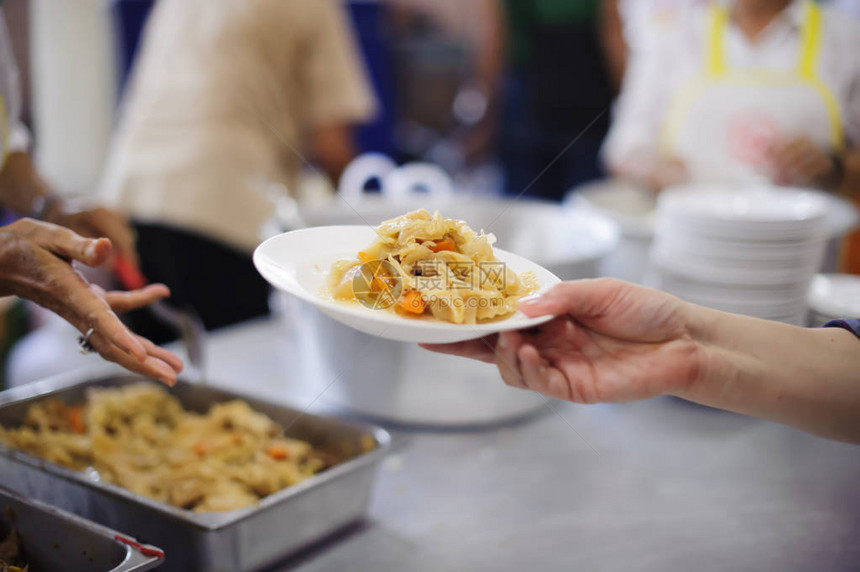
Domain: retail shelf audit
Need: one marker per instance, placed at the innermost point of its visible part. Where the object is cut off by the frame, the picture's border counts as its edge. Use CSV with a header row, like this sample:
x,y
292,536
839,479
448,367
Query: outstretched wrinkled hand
x,y
36,263
610,341
99,222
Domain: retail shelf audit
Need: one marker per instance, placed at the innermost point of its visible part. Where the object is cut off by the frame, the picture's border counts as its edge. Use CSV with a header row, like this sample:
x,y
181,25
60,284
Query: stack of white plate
x,y
833,296
747,251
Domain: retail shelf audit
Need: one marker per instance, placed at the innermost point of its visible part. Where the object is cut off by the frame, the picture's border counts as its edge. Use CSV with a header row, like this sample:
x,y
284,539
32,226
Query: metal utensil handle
x,y
139,556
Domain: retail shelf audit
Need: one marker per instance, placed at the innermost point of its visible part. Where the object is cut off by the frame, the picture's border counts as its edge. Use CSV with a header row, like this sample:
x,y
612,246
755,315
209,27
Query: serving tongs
x,y
187,323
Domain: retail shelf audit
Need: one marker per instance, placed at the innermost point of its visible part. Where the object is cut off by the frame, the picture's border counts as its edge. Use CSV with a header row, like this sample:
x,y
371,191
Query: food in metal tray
x,y
12,558
427,265
139,437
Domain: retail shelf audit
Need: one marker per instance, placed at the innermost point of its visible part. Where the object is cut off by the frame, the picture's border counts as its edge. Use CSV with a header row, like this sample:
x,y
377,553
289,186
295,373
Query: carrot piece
x,y
381,281
378,284
277,452
201,448
440,245
76,419
411,302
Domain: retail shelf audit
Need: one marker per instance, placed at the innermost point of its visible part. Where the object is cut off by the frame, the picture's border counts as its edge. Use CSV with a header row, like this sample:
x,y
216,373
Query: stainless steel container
x,y
56,540
245,539
403,383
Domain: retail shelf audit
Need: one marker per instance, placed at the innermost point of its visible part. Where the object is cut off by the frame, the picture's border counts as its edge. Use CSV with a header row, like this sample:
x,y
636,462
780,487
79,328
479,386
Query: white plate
x,y
701,270
759,233
678,258
739,250
749,213
836,295
727,293
745,207
679,254
747,309
635,209
298,263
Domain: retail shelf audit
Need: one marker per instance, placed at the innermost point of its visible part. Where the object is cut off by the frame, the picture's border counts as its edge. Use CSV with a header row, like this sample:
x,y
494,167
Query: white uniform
x,y
704,93
14,136
646,21
848,6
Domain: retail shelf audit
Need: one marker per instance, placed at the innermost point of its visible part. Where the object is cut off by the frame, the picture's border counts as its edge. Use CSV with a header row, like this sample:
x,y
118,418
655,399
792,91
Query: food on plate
x,y
426,265
12,557
139,437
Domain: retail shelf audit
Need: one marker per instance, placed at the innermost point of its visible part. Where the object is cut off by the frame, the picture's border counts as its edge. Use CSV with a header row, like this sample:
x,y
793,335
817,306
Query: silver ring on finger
x,y
84,345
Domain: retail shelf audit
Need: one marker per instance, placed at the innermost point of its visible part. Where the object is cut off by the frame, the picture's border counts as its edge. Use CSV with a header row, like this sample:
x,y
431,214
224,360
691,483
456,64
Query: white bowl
x,y
298,263
631,207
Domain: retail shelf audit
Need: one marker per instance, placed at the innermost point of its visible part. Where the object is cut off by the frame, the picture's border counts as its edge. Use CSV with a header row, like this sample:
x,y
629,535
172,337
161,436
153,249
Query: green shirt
x,y
528,17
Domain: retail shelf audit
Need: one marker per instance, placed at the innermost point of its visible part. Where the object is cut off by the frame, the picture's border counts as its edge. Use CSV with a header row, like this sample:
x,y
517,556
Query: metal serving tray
x,y
240,540
56,540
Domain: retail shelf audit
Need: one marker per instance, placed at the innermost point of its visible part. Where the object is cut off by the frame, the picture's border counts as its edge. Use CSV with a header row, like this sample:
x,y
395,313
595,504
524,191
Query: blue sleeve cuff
x,y
850,324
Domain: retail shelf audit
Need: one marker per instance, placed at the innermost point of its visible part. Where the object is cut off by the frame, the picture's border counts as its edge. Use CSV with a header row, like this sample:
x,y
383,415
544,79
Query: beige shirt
x,y
222,98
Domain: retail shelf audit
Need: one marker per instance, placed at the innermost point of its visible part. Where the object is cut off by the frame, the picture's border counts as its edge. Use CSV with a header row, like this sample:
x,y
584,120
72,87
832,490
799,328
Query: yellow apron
x,y
722,123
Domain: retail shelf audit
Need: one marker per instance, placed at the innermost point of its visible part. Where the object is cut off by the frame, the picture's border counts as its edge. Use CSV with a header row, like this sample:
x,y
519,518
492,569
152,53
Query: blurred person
x,y
227,100
743,91
36,257
28,194
509,83
447,58
476,103
612,341
556,94
630,26
544,72
614,42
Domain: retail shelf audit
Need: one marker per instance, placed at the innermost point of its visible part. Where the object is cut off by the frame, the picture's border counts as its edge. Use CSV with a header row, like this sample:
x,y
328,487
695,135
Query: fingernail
x,y
167,376
90,251
503,340
530,300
